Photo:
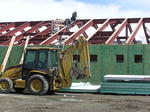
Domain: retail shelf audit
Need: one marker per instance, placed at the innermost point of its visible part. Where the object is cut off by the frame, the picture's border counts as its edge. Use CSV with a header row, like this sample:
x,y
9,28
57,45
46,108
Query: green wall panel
x,y
147,59
106,62
15,56
110,64
2,53
95,66
133,67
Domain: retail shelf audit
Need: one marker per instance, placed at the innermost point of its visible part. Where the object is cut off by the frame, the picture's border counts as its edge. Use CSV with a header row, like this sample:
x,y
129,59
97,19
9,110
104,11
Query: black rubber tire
x,y
44,84
9,87
19,90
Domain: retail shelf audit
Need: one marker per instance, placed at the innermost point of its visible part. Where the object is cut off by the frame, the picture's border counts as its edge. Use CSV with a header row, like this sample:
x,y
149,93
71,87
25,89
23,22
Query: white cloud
x,y
30,10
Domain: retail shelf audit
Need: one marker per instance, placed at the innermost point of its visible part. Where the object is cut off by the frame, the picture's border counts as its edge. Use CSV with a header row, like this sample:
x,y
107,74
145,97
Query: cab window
x,y
42,60
30,59
52,58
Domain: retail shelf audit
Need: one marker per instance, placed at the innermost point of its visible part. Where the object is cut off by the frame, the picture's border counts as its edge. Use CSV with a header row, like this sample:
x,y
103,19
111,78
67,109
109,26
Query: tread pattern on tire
x,y
45,85
10,84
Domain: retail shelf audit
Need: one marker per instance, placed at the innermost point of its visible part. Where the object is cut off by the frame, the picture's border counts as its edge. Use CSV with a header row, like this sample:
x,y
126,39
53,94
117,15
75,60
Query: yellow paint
x,y
20,83
65,63
36,85
4,85
81,45
37,71
13,72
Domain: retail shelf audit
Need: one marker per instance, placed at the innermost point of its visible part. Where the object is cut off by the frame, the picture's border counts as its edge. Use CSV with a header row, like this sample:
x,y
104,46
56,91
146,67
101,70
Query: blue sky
x,y
124,4
30,10
97,1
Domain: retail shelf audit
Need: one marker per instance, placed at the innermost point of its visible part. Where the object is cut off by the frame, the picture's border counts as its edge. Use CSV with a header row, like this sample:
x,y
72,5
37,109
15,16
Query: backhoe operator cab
x,y
39,59
46,69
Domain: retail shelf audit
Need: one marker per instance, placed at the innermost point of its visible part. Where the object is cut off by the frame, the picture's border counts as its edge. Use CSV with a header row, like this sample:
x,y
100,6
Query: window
x,y
30,59
42,60
53,58
119,58
76,58
93,58
138,58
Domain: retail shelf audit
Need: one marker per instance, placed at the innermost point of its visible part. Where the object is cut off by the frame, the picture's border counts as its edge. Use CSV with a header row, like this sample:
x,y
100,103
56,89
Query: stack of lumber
x,y
126,84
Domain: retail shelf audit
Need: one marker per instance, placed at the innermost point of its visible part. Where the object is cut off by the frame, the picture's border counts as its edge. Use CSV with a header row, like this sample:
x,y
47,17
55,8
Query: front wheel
x,y
37,85
6,85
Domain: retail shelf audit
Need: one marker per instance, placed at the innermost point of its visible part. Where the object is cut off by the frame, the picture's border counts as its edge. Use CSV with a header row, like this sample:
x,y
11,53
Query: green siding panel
x,y
96,67
146,59
110,64
133,67
2,53
106,60
15,56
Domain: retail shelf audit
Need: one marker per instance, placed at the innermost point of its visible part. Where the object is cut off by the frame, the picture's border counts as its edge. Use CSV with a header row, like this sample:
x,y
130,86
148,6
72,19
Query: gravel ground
x,y
74,102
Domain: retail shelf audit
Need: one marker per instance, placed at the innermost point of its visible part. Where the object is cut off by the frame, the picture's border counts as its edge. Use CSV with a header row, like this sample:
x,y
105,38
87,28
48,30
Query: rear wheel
x,y
6,85
37,85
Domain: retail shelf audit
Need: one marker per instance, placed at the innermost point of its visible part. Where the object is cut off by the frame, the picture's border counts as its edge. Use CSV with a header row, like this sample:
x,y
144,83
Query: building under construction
x,y
117,46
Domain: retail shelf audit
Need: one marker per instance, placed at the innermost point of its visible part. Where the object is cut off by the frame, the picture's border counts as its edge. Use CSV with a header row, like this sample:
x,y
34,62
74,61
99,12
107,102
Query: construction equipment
x,y
47,69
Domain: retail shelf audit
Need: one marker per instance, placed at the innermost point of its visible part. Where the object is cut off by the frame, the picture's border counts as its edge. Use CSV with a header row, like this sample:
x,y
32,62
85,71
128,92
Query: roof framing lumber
x,y
104,25
19,28
145,32
101,33
53,37
21,36
132,36
79,32
44,32
85,34
5,28
117,32
56,36
6,57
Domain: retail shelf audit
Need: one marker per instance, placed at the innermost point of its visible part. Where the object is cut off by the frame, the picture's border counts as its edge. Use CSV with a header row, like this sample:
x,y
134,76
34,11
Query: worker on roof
x,y
74,16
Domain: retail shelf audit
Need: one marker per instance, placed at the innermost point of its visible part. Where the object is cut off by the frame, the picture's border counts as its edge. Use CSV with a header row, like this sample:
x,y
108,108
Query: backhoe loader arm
x,y
66,61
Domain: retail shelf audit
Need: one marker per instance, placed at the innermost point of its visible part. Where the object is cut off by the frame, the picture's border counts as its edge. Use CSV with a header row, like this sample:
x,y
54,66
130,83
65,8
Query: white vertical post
x,y
24,50
7,54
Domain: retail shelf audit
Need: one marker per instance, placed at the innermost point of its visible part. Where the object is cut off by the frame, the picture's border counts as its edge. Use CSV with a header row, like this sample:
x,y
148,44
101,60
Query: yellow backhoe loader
x,y
47,69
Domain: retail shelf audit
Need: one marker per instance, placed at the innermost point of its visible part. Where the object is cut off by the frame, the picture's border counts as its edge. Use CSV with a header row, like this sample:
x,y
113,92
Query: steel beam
x,y
116,33
79,32
132,36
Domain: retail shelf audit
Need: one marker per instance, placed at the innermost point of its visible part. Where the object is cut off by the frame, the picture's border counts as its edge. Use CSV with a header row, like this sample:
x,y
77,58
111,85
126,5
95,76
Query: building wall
x,y
105,59
119,59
